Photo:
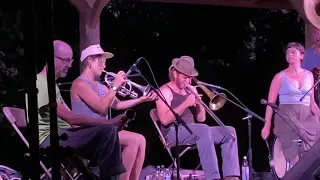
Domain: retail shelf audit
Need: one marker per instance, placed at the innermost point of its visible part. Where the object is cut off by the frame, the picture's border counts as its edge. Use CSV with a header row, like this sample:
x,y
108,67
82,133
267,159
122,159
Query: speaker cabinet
x,y
308,167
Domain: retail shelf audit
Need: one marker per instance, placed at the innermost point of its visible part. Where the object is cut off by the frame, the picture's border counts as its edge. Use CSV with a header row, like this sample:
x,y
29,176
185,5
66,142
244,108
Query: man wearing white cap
x,y
92,98
187,106
96,141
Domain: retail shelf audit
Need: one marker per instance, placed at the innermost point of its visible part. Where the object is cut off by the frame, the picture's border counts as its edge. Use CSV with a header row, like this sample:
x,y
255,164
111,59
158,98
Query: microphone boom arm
x,y
246,110
229,100
310,90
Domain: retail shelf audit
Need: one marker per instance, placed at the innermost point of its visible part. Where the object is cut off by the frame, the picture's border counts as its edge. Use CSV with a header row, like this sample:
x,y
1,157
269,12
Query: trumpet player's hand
x,y
151,96
120,78
117,121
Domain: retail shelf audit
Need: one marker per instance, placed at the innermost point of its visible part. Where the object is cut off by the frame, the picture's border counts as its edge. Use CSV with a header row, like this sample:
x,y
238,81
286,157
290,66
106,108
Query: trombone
x,y
126,88
216,102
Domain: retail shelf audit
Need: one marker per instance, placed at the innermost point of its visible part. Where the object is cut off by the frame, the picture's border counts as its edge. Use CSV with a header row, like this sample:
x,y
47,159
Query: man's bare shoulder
x,y
165,89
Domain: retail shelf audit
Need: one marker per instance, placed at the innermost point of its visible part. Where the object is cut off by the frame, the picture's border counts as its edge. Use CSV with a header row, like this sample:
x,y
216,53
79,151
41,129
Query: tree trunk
x,y
89,15
299,7
88,34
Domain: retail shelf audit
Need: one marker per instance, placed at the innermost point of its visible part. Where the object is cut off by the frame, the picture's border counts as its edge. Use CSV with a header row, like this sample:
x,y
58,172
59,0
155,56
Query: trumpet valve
x,y
133,94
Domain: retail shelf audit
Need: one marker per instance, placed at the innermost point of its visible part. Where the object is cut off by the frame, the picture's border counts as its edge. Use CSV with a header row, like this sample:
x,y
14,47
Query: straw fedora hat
x,y
185,65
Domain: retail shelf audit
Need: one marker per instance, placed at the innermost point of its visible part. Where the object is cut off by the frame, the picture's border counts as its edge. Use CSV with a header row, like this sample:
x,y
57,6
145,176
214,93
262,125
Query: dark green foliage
x,y
11,58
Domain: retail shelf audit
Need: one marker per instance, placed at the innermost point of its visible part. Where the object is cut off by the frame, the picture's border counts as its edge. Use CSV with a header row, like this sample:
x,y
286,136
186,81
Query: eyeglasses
x,y
65,60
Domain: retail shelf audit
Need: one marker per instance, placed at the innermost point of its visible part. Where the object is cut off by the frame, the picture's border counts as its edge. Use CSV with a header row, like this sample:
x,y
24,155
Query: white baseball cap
x,y
94,50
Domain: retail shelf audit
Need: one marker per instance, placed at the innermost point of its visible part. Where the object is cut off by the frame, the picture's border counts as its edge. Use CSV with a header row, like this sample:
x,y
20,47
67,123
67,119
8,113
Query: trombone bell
x,y
217,100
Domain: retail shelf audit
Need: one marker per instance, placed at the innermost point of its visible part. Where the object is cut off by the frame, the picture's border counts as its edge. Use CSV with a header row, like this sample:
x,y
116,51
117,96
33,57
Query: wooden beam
x,y
277,4
81,6
299,7
96,11
259,1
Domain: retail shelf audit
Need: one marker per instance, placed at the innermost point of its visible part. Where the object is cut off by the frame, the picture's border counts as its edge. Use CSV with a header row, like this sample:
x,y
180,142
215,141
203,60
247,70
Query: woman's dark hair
x,y
297,46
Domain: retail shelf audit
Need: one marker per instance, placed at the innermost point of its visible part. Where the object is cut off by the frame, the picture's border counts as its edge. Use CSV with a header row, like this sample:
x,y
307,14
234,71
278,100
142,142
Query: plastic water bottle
x,y
245,169
167,174
161,175
156,175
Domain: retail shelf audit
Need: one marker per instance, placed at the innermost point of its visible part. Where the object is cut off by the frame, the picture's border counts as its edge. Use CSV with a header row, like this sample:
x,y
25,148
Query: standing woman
x,y
290,85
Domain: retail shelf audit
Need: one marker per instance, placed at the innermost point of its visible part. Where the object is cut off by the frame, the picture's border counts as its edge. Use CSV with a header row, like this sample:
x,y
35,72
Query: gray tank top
x,y
187,116
80,107
289,94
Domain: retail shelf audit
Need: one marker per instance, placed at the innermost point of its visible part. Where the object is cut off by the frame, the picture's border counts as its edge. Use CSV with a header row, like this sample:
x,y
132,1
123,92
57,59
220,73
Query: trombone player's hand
x,y
194,91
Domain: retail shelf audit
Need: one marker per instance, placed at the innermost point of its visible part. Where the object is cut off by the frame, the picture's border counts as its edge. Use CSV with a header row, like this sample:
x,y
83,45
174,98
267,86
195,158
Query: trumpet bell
x,y
217,101
130,114
312,10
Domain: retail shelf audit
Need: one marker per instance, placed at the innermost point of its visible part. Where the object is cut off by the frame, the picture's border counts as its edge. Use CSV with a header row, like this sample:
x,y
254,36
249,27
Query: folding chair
x,y
17,119
185,147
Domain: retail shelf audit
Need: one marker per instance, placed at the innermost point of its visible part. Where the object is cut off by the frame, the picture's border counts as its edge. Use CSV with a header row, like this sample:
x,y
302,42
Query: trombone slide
x,y
210,112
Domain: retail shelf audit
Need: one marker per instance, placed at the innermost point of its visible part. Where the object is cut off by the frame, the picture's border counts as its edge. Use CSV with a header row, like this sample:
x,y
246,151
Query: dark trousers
x,y
99,144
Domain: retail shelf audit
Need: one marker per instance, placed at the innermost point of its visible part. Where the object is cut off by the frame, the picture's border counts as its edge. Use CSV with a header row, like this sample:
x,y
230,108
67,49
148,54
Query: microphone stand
x,y
248,118
176,123
293,126
310,90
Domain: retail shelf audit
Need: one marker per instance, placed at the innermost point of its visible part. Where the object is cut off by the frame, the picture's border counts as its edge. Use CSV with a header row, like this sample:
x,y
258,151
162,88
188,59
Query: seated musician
x,y
311,60
291,84
316,74
98,143
191,111
90,97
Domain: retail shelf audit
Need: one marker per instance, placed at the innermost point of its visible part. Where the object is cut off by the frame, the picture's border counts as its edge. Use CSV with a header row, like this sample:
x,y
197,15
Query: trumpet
x,y
212,104
126,88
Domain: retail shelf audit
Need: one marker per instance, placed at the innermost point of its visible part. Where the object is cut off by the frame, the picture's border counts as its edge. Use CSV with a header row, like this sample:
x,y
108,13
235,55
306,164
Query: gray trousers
x,y
205,138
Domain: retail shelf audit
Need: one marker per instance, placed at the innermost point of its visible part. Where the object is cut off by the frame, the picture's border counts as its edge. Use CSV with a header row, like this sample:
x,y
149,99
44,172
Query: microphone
x,y
211,85
133,67
265,102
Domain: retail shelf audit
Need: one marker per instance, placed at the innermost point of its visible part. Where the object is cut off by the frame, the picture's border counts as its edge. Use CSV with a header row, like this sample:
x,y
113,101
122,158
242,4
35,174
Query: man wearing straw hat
x,y
187,106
